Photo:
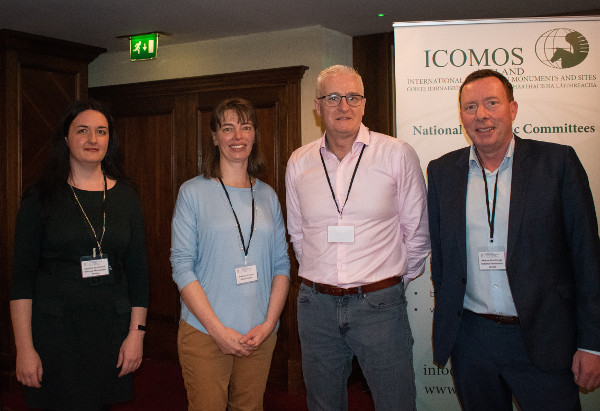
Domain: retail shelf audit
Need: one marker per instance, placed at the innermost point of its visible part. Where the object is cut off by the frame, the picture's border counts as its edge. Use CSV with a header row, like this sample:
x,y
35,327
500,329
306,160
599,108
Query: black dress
x,y
78,324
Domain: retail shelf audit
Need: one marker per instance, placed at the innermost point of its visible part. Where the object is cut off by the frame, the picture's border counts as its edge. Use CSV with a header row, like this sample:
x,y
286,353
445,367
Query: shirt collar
x,y
474,161
362,138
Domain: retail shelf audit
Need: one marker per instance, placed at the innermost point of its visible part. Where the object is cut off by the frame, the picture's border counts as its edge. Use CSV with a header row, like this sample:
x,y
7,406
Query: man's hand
x,y
586,370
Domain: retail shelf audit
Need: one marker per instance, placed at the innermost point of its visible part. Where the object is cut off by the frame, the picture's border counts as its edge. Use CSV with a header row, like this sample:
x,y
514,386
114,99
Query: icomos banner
x,y
554,66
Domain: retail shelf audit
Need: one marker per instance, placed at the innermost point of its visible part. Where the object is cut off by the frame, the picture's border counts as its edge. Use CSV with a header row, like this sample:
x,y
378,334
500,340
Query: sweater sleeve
x,y
184,239
281,257
29,232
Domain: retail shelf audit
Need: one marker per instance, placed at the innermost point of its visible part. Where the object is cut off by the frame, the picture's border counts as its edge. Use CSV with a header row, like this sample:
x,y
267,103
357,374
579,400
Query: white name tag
x,y
492,260
94,267
340,234
246,274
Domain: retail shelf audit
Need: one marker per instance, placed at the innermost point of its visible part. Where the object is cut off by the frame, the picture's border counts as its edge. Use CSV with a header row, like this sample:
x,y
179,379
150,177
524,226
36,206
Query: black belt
x,y
499,319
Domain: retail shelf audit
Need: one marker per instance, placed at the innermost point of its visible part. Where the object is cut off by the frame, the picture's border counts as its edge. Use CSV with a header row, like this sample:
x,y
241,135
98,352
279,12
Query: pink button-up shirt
x,y
387,207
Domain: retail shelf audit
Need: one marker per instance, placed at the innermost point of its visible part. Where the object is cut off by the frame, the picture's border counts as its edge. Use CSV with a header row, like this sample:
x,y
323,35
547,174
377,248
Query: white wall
x,y
315,47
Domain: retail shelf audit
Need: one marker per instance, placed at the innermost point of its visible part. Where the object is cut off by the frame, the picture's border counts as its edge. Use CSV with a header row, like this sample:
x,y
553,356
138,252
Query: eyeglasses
x,y
333,100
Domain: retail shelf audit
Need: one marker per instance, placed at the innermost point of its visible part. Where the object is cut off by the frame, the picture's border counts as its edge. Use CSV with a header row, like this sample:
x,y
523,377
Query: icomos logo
x,y
562,48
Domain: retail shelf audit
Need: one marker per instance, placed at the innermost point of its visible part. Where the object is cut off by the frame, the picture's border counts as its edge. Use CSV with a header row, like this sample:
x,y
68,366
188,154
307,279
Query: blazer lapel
x,y
518,194
460,199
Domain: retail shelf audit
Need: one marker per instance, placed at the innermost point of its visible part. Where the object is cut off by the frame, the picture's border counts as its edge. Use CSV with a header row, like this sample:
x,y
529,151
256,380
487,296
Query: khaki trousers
x,y
215,381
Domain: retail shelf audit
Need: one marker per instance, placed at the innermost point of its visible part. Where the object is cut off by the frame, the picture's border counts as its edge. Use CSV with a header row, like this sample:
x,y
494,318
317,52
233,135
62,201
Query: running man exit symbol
x,y
143,46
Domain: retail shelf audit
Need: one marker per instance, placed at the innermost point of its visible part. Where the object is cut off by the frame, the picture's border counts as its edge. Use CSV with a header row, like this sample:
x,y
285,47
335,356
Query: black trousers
x,y
490,366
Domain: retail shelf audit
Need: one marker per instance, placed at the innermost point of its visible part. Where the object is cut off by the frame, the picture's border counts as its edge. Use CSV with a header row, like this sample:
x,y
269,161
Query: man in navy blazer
x,y
515,261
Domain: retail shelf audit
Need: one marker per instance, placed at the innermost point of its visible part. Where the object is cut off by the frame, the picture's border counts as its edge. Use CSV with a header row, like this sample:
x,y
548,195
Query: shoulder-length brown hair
x,y
211,166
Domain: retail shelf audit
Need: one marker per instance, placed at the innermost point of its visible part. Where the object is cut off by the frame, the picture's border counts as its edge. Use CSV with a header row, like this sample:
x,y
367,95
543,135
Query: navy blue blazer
x,y
553,252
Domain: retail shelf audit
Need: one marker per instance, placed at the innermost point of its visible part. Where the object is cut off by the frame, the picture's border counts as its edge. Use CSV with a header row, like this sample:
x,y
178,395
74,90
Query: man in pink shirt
x,y
357,218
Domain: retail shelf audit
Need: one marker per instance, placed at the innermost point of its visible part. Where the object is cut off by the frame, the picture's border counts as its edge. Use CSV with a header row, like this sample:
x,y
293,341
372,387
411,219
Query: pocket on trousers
x,y
388,297
304,294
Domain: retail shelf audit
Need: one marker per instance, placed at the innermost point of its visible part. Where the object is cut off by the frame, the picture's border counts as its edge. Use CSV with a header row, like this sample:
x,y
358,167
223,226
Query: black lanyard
x,y
351,181
492,215
95,237
244,247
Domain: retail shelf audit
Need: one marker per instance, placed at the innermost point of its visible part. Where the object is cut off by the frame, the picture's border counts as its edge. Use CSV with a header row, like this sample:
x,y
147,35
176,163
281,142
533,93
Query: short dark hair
x,y
246,113
58,166
479,74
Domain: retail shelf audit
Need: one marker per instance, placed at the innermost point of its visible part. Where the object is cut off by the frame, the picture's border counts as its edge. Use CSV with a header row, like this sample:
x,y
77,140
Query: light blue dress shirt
x,y
488,291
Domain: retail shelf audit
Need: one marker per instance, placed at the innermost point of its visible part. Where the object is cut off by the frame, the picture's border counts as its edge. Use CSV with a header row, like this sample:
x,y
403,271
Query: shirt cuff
x,y
590,351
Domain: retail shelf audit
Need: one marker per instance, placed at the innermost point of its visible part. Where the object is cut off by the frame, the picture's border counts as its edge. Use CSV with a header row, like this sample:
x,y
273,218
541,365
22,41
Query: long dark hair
x,y
211,166
58,166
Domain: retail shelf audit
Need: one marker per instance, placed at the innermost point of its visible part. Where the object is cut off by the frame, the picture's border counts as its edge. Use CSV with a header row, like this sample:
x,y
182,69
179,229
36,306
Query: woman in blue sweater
x,y
230,262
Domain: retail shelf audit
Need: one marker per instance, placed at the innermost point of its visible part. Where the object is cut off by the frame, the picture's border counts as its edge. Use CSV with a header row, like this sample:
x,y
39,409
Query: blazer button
x,y
464,280
459,313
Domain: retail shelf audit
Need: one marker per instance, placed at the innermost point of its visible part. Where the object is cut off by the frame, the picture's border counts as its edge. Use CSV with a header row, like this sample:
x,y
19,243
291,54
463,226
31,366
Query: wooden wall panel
x,y
373,58
38,86
147,154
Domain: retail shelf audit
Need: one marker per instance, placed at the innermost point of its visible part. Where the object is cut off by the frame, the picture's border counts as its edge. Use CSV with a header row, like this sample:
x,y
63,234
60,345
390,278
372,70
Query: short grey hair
x,y
330,71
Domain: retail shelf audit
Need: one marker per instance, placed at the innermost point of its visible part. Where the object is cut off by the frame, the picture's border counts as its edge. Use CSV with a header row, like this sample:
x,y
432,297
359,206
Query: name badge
x,y
492,258
94,266
340,234
246,274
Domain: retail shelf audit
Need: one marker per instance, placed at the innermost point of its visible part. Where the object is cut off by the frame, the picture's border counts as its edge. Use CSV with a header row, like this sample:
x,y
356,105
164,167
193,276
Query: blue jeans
x,y
374,327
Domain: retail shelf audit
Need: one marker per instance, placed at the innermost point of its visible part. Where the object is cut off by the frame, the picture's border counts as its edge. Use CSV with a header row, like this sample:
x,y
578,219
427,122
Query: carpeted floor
x,y
158,386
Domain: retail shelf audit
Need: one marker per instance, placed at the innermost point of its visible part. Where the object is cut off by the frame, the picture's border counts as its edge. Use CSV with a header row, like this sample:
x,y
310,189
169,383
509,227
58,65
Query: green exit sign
x,y
143,46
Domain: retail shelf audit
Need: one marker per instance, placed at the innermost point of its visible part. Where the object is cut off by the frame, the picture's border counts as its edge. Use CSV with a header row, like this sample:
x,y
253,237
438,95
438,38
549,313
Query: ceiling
x,y
100,22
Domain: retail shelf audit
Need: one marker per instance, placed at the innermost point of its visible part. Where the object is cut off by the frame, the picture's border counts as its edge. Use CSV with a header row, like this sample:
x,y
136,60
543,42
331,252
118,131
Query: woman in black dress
x,y
79,289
